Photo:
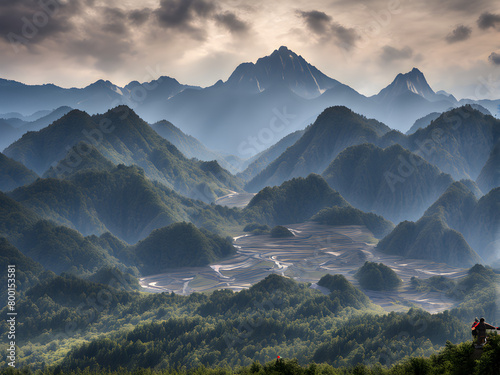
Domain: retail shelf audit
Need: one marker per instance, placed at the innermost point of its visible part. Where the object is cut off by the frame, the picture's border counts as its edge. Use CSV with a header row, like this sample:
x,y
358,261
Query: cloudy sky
x,y
363,43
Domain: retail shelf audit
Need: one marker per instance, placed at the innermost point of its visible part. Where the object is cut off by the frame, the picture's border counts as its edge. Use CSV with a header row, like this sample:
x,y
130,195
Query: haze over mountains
x,y
97,201
80,169
259,104
122,137
86,187
460,142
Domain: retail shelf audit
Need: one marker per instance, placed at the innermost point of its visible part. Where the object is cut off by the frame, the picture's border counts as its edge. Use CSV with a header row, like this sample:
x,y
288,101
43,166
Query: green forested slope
x,y
13,174
123,138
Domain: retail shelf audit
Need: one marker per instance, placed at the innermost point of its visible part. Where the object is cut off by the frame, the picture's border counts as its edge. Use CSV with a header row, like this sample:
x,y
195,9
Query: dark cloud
x,y
190,16
115,14
487,20
114,20
25,21
460,33
392,54
182,13
231,22
347,37
322,24
494,58
115,28
139,16
317,21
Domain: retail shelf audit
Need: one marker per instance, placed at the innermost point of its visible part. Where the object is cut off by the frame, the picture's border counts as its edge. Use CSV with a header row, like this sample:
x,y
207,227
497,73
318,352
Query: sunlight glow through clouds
x,y
364,44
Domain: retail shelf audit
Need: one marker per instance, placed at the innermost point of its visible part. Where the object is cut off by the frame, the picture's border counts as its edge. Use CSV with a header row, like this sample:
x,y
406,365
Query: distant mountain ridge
x,y
247,103
193,148
414,81
16,129
260,161
97,97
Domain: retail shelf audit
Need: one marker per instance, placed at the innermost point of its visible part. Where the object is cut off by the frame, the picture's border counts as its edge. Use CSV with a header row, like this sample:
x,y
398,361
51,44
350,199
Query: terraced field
x,y
314,251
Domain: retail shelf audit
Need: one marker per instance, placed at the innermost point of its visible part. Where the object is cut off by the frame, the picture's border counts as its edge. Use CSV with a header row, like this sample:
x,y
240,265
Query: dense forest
x,y
452,360
112,327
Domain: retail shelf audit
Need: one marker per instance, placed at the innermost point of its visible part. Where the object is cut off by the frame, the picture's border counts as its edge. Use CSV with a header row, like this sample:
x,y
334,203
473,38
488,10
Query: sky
x,y
362,43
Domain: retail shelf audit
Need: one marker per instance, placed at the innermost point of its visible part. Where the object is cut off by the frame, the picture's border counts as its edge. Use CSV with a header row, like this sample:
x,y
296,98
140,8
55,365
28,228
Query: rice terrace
x,y
314,251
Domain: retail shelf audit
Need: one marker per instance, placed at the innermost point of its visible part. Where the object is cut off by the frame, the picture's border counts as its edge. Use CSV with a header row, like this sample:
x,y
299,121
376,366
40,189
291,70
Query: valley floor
x,y
314,251
235,199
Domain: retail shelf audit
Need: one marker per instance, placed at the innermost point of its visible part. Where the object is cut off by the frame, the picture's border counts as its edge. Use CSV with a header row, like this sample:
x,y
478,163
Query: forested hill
x,y
277,316
457,229
392,182
121,200
293,201
122,137
13,174
334,130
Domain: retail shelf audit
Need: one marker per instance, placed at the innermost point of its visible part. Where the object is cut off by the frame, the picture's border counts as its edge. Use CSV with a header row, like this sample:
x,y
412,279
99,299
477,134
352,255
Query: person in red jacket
x,y
480,329
474,332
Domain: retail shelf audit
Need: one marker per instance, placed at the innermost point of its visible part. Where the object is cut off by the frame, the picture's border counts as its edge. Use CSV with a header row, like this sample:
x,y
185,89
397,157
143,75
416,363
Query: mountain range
x,y
105,182
122,138
106,189
262,101
460,142
87,187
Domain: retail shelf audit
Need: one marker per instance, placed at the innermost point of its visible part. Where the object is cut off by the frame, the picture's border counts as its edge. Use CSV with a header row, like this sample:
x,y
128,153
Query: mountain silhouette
x,y
264,101
283,67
